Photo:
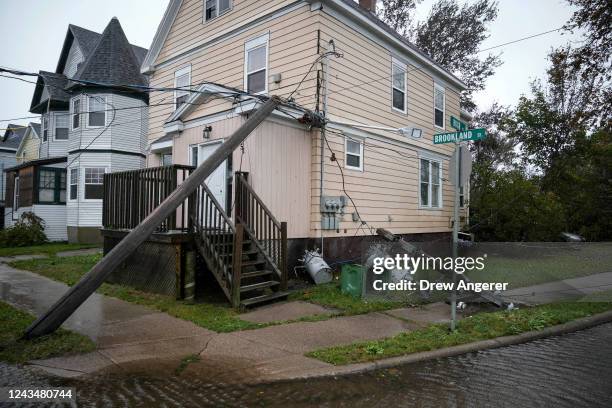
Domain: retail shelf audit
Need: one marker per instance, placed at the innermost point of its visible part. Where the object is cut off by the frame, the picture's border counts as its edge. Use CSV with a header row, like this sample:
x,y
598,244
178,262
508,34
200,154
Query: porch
x,y
244,248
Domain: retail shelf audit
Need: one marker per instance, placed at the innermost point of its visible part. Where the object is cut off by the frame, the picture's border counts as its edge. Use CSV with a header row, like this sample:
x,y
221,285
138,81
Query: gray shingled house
x,y
86,131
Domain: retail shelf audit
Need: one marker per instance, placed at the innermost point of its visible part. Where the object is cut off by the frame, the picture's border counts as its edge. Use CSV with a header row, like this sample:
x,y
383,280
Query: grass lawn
x,y
554,265
46,249
13,350
329,295
481,326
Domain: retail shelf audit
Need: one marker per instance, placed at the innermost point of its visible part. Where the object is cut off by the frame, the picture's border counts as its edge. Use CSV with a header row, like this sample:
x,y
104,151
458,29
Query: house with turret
x,y
87,129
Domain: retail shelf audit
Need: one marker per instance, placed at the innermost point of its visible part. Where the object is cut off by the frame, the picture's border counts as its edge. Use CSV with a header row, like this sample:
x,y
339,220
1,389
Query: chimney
x,y
369,5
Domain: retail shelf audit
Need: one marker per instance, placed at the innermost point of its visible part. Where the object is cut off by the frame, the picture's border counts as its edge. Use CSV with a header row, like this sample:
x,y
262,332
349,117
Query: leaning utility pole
x,y
76,295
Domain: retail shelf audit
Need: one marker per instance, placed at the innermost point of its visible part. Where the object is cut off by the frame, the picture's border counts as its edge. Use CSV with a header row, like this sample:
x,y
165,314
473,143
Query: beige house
x,y
29,146
376,81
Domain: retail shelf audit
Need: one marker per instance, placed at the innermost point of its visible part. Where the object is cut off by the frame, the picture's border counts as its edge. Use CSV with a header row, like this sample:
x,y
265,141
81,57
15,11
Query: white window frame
x,y
67,115
83,183
190,154
73,114
438,87
44,125
70,170
404,67
429,206
346,153
16,195
249,46
87,125
177,74
205,20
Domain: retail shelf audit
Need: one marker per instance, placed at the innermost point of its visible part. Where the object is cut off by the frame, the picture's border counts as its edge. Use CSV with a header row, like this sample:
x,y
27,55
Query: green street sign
x,y
457,124
452,137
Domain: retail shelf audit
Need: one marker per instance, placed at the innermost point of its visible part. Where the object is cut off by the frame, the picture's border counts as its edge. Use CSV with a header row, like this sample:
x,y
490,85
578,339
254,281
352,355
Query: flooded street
x,y
574,370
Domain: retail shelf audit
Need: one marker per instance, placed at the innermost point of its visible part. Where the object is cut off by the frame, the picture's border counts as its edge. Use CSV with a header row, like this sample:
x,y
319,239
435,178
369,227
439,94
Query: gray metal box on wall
x,y
332,209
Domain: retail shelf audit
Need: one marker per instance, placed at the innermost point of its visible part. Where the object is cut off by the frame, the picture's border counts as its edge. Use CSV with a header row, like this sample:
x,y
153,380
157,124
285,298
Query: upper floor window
x,y
430,184
256,65
354,154
439,106
214,8
97,111
399,86
61,126
182,82
76,113
45,128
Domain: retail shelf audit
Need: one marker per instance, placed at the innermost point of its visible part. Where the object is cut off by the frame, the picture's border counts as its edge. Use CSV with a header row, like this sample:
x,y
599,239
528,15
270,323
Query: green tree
x,y
451,35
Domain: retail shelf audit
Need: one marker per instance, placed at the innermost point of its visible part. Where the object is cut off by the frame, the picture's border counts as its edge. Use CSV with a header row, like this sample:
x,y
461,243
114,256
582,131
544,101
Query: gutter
x,y
358,17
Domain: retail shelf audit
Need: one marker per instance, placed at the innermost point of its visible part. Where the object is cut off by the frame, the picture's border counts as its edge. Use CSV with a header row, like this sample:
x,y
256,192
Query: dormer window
x,y
214,8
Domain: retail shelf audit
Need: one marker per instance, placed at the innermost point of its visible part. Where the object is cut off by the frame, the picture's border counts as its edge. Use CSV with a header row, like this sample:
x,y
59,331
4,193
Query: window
x,y
94,183
97,111
431,177
256,65
166,159
51,185
76,114
16,198
61,126
439,102
194,156
399,86
214,8
45,127
354,154
74,183
182,79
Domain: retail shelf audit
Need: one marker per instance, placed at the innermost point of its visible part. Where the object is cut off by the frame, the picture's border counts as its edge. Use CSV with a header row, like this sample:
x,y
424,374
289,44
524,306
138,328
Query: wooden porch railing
x,y
269,235
219,242
130,196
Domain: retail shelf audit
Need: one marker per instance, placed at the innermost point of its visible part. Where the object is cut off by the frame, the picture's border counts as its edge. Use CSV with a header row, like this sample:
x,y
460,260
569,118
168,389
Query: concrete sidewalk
x,y
130,336
134,338
563,290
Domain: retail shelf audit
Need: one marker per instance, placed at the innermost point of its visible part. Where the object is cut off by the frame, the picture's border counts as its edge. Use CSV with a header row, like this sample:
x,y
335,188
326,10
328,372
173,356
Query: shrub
x,y
28,230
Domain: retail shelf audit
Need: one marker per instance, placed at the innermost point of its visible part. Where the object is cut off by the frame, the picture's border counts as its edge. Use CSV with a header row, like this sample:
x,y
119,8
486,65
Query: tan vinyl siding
x,y
293,47
190,30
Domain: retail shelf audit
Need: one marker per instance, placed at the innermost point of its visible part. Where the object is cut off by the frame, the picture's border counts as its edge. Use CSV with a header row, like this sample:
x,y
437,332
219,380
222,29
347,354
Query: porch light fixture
x,y
206,132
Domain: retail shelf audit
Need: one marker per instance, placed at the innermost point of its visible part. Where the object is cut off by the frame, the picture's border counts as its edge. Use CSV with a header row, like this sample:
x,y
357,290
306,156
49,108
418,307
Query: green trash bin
x,y
351,280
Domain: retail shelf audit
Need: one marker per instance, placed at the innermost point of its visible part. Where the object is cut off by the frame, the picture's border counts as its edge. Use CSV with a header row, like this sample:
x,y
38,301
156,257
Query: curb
x,y
569,327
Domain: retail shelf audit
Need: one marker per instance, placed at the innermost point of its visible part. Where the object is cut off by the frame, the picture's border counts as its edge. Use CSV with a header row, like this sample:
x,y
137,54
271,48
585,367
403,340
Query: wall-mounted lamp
x,y
206,132
413,132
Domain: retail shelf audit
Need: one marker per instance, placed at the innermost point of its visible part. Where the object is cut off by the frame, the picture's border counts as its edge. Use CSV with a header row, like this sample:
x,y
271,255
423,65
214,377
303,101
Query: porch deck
x,y
245,251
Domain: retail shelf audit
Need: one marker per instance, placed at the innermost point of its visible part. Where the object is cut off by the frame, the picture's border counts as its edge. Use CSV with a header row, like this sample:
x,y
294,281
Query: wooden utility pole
x,y
76,295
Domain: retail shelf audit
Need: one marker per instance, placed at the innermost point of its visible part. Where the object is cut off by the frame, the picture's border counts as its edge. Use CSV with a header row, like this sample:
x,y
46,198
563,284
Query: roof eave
x,y
373,28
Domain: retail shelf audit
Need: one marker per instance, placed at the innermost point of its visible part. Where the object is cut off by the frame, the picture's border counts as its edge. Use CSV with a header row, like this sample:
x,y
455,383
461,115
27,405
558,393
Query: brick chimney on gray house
x,y
369,5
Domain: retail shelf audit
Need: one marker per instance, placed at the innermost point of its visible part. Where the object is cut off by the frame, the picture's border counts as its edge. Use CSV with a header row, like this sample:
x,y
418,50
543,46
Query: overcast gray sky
x,y
33,31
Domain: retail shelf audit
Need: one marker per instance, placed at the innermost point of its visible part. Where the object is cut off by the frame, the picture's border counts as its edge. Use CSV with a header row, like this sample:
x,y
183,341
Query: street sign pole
x,y
455,253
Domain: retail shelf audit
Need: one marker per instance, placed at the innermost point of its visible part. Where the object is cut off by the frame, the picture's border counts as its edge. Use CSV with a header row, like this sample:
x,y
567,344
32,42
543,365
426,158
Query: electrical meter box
x,y
332,209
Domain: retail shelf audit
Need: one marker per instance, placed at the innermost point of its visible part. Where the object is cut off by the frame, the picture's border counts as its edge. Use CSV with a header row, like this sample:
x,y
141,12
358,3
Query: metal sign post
x,y
457,171
457,137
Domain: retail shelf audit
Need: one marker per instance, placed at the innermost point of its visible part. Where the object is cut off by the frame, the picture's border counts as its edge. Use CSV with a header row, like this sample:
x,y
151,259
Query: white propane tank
x,y
316,267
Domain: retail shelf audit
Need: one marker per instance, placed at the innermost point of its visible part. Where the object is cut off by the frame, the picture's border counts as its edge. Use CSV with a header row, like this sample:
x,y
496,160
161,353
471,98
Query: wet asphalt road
x,y
573,370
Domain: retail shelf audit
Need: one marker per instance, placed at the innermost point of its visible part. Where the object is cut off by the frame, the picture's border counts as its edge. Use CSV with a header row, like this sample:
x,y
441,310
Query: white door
x,y
217,181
